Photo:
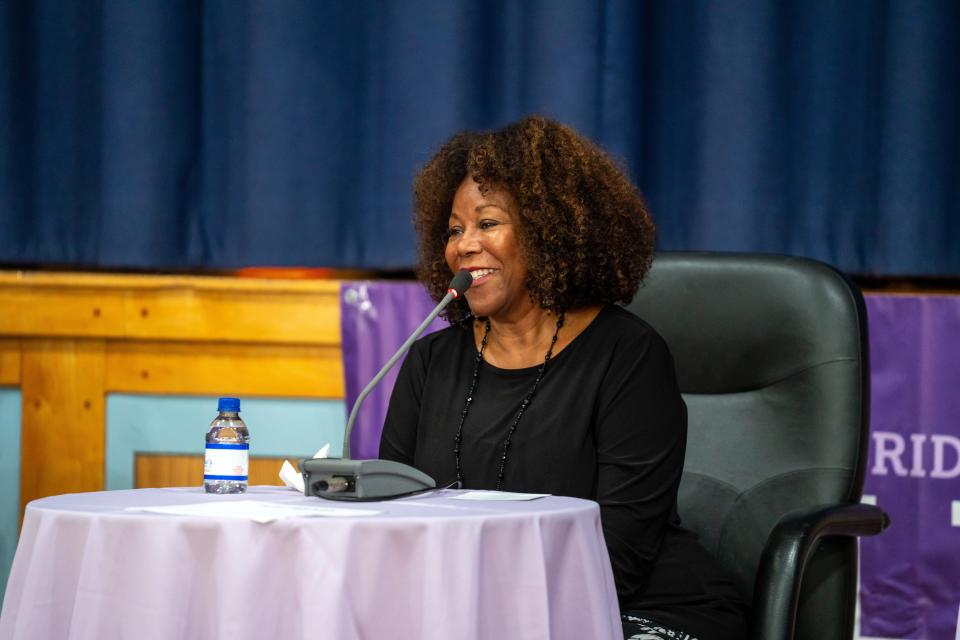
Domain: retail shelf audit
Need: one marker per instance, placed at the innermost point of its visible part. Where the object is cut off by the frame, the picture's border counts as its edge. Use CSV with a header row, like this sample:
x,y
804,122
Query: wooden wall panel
x,y
60,311
215,309
283,371
10,362
62,439
176,470
69,338
229,316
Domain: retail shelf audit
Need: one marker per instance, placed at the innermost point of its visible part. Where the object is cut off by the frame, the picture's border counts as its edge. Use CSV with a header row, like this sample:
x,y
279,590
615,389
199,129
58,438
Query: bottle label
x,y
226,462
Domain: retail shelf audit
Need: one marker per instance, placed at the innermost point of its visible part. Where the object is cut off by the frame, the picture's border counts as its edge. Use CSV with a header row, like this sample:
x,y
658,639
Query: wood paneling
x,y
168,307
233,316
62,439
237,369
59,311
175,470
9,362
68,338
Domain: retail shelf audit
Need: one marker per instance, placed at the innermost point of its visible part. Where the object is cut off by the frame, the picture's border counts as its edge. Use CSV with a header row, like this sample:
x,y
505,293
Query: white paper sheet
x,y
498,495
294,480
255,510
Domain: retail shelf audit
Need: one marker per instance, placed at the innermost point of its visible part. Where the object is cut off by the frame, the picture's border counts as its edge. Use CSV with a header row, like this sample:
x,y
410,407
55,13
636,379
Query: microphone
x,y
346,479
458,286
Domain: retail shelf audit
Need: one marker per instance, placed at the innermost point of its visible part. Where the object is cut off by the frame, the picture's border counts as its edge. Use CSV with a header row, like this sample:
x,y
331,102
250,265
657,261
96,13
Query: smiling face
x,y
483,239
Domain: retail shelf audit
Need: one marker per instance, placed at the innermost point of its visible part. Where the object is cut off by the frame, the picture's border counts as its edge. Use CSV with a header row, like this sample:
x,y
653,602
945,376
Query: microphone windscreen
x,y
461,282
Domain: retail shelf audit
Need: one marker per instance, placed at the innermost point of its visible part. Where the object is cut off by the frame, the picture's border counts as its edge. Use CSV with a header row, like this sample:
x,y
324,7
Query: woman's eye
x,y
488,224
454,231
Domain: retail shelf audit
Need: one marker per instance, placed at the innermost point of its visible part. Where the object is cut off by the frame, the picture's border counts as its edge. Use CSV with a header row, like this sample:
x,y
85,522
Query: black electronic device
x,y
343,478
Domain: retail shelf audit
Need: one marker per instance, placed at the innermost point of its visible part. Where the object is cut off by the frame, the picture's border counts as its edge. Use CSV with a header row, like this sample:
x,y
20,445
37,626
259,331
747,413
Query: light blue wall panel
x,y
177,424
9,479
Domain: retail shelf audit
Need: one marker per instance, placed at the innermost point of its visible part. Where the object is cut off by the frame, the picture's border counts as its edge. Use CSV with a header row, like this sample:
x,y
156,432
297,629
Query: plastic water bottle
x,y
228,450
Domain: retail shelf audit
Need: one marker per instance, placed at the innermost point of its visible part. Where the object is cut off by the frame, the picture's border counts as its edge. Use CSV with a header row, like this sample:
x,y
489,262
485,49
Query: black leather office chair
x,y
771,356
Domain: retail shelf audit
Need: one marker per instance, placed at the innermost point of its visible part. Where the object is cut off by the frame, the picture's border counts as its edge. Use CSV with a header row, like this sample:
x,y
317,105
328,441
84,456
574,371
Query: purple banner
x,y
910,575
375,319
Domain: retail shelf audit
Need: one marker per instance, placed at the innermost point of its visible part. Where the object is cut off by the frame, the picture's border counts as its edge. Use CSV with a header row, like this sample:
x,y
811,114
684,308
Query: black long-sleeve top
x,y
607,423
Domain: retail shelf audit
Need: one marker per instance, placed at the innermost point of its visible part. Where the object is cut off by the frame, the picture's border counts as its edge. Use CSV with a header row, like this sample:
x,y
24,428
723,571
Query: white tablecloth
x,y
426,567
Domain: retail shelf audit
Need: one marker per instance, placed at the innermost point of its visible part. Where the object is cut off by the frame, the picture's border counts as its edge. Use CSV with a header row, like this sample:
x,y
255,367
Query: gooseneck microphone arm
x,y
347,479
460,283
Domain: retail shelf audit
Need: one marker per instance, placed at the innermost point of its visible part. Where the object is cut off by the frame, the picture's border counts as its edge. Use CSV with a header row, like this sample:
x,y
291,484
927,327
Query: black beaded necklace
x,y
523,405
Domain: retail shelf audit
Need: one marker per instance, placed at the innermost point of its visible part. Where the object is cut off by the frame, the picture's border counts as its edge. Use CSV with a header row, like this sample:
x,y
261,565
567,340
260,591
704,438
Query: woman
x,y
542,384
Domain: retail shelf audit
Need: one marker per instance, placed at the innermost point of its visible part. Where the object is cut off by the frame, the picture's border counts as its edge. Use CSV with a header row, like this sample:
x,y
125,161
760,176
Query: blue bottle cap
x,y
228,404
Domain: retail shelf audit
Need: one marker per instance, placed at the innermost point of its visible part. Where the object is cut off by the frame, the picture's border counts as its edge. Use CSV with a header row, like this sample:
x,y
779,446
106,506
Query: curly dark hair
x,y
584,231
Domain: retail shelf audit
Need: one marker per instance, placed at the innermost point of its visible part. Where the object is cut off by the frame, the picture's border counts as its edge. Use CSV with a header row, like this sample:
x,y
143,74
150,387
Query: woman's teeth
x,y
479,273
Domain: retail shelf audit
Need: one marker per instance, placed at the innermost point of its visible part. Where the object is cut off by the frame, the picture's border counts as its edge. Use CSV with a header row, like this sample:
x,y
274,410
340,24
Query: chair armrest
x,y
789,547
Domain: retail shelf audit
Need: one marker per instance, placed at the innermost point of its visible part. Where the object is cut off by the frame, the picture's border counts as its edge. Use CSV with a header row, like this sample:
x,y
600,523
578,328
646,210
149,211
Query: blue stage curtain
x,y
163,134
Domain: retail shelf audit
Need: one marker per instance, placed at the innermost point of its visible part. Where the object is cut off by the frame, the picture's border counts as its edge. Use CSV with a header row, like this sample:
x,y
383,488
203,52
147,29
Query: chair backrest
x,y
771,356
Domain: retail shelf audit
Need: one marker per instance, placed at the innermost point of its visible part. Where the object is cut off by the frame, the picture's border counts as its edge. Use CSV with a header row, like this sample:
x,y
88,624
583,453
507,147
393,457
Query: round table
x,y
424,567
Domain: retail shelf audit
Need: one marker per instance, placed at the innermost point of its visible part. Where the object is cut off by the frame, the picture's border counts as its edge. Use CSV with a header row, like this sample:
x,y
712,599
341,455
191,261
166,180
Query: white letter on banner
x,y
916,441
958,623
892,453
939,440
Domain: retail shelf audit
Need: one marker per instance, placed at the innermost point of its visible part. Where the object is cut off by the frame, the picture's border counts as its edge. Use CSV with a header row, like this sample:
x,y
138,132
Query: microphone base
x,y
346,479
